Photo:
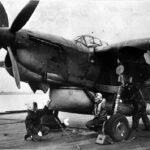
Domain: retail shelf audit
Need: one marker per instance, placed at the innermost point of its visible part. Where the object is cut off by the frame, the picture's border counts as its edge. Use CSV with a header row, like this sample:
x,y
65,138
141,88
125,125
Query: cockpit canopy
x,y
92,43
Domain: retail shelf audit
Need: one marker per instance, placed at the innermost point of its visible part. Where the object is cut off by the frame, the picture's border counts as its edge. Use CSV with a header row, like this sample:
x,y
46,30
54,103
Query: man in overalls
x,y
100,113
133,95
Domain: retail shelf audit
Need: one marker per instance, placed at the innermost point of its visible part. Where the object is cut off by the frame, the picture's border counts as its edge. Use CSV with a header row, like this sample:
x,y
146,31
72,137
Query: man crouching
x,y
39,122
33,123
100,113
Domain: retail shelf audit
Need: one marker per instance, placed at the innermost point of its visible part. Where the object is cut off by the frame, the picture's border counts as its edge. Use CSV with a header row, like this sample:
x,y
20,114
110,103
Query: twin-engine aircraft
x,y
74,69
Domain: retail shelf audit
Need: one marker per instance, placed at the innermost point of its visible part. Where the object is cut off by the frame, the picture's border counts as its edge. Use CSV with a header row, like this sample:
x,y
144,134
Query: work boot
x,y
44,130
135,123
146,122
36,138
133,134
135,127
147,128
26,137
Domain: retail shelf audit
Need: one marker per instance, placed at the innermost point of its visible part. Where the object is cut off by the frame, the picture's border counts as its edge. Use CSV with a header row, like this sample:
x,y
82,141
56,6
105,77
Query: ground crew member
x,y
32,123
39,122
99,104
133,95
100,113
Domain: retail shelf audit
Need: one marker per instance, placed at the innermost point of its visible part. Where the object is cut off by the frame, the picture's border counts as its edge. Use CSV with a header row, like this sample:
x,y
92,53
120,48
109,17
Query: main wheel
x,y
117,127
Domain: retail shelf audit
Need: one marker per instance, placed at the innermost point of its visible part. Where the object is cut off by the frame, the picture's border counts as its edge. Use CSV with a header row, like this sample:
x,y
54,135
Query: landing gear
x,y
117,127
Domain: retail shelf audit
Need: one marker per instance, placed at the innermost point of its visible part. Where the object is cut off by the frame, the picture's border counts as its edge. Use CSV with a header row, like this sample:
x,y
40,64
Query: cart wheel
x,y
117,127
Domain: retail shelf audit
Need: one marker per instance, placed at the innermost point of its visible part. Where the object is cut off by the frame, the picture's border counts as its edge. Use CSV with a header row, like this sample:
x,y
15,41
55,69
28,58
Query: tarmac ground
x,y
75,137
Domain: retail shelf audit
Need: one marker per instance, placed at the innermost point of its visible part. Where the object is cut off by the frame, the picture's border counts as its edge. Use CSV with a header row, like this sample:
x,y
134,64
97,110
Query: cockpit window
x,y
90,42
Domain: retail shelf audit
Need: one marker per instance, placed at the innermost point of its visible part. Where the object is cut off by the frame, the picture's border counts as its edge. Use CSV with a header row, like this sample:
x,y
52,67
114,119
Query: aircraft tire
x,y
117,127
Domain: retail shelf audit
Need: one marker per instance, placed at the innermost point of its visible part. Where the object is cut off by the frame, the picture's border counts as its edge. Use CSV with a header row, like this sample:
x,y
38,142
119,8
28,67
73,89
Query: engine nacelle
x,y
75,100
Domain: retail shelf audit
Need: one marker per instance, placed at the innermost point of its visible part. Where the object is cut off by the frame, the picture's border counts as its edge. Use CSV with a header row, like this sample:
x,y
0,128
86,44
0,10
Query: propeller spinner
x,y
7,36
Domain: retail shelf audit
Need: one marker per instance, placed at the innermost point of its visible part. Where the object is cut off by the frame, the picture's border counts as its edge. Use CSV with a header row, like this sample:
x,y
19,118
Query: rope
x,y
70,138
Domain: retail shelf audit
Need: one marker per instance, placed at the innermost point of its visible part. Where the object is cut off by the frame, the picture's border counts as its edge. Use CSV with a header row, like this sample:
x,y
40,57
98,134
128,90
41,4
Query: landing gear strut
x,y
117,126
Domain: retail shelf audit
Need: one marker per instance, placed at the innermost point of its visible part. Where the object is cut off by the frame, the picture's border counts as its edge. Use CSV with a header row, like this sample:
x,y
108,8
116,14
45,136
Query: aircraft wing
x,y
141,44
133,54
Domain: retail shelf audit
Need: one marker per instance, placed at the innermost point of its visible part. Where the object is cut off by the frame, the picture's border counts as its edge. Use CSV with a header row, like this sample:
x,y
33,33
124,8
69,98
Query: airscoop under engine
x,y
75,100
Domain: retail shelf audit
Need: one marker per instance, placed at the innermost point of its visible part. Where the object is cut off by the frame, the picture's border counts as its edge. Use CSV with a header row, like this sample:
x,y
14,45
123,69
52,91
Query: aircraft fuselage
x,y
40,54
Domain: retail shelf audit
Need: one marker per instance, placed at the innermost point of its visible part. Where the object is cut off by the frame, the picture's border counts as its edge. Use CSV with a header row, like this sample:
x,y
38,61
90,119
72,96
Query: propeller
x,y
24,16
3,17
7,36
2,64
14,67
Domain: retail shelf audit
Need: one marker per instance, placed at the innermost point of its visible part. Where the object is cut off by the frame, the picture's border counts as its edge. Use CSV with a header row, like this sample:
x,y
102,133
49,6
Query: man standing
x,y
134,96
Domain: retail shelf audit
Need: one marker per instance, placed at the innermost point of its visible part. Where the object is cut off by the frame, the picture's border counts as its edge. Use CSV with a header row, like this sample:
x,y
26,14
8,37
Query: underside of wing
x,y
133,55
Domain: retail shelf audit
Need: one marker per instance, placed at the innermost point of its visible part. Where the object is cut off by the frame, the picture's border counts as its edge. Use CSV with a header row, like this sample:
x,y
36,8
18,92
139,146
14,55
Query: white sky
x,y
110,20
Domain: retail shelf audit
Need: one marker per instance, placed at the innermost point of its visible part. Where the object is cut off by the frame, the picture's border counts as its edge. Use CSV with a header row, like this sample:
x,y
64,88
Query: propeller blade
x,y
3,17
24,16
14,67
2,64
